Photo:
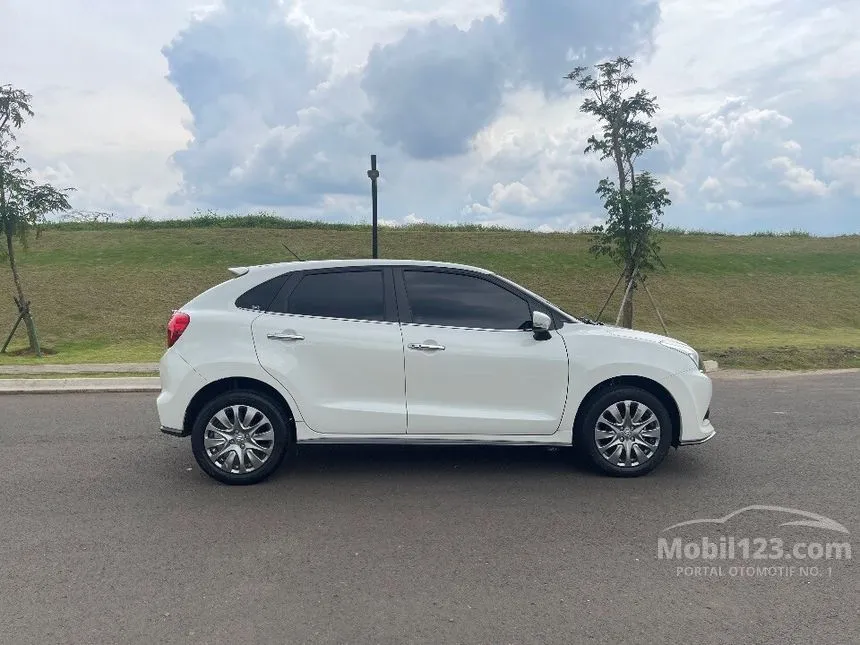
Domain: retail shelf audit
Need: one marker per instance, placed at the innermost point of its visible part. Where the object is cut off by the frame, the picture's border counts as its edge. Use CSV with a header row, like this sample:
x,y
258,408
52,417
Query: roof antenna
x,y
291,251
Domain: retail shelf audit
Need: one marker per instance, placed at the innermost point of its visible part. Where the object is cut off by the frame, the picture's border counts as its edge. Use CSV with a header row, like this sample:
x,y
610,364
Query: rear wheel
x,y
626,432
240,437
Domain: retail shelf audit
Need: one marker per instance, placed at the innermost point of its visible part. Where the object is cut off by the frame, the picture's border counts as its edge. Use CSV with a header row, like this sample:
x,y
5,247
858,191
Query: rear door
x,y
472,364
334,342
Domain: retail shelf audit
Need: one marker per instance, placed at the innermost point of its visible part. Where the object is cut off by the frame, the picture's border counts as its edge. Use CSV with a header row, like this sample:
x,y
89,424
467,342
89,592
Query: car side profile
x,y
396,351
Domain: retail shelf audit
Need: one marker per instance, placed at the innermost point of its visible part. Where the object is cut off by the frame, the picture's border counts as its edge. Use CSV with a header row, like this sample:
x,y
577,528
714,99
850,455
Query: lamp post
x,y
373,173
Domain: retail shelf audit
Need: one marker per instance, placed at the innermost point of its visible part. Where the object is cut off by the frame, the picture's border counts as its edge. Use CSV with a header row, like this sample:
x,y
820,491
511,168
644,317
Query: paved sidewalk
x,y
59,385
153,384
738,374
132,368
88,368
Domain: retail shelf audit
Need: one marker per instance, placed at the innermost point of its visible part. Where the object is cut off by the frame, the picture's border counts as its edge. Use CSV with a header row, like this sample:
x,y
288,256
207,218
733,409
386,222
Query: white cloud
x,y
845,171
756,128
711,185
801,181
516,195
476,209
742,157
357,26
104,112
410,220
728,205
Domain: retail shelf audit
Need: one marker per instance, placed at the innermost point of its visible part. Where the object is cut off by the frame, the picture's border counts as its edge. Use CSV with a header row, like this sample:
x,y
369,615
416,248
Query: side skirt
x,y
454,440
306,436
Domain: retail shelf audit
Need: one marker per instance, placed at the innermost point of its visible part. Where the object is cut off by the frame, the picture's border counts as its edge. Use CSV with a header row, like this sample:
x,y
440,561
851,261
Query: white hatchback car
x,y
388,351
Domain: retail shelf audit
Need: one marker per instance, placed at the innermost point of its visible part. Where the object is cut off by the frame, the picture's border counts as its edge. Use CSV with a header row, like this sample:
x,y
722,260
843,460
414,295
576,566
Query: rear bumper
x,y
175,432
179,383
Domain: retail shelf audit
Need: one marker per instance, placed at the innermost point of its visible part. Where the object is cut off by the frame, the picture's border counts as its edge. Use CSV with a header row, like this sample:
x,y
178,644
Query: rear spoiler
x,y
238,271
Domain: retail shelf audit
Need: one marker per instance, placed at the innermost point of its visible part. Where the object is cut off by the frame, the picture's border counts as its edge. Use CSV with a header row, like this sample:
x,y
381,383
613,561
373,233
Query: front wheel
x,y
626,432
240,437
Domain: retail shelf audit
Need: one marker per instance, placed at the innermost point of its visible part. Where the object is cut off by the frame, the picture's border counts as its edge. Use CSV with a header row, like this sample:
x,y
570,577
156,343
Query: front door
x,y
335,346
472,364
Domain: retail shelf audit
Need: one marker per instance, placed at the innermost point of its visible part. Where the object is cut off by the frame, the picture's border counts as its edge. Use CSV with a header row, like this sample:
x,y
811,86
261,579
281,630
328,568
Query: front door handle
x,y
285,336
426,348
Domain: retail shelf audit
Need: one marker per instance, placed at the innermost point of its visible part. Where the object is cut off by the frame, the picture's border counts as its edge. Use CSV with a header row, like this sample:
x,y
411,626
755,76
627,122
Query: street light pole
x,y
373,173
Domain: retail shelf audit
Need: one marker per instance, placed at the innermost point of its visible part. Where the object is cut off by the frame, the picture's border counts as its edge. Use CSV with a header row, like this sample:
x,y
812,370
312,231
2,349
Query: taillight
x,y
179,322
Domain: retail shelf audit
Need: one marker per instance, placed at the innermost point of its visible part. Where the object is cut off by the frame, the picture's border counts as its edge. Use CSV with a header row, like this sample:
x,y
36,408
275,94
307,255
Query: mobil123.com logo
x,y
758,541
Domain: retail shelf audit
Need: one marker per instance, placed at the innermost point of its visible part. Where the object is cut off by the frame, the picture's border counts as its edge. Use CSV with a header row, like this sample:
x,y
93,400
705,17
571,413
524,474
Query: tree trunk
x,y
627,311
28,318
627,315
10,249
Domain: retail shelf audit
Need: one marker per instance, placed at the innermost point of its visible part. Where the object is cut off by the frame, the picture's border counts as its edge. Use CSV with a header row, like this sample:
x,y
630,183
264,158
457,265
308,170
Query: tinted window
x,y
457,300
261,296
344,294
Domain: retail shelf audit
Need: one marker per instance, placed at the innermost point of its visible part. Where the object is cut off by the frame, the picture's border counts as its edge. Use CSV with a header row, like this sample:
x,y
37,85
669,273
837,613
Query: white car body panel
x,y
477,399
179,383
484,382
600,353
348,374
230,334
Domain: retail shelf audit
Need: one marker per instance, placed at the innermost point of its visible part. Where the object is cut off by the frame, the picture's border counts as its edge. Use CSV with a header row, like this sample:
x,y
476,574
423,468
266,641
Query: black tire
x,y
586,442
283,443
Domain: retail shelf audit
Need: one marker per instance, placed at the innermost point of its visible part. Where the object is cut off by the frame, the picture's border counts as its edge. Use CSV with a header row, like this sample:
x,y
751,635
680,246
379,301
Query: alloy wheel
x,y
239,439
627,434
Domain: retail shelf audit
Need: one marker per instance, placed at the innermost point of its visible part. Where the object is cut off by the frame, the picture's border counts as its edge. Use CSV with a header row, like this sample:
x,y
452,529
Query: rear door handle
x,y
426,348
285,336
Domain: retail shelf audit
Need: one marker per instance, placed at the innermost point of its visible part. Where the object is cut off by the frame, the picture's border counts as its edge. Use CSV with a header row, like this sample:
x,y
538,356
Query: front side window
x,y
356,295
457,300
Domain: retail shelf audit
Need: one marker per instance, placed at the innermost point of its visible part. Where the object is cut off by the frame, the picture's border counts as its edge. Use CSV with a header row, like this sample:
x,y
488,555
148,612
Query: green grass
x,y
104,292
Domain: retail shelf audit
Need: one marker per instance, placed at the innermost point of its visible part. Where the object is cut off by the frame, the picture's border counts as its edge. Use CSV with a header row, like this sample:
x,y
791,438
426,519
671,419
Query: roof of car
x,y
327,264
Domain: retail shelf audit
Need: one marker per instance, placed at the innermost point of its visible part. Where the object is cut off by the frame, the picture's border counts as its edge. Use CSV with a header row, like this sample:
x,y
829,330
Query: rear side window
x,y
356,295
456,300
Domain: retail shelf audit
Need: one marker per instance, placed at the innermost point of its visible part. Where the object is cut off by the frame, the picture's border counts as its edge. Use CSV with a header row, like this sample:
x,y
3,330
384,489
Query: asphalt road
x,y
110,533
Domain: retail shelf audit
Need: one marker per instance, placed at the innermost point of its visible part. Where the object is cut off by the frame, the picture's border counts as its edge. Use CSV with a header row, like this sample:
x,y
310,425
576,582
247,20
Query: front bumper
x,y
695,442
693,391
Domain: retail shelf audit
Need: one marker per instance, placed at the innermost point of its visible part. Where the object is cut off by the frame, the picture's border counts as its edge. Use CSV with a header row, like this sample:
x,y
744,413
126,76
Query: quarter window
x,y
457,300
262,296
356,295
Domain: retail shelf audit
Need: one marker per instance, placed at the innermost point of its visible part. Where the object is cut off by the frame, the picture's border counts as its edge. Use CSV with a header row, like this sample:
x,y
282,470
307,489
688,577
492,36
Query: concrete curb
x,y
153,383
734,374
59,385
83,368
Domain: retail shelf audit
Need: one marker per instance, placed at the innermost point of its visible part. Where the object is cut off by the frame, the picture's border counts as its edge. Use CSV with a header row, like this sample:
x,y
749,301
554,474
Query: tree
x,y
634,201
23,202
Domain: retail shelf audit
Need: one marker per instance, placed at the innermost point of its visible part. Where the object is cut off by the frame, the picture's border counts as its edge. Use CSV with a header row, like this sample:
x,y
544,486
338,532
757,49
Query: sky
x,y
159,108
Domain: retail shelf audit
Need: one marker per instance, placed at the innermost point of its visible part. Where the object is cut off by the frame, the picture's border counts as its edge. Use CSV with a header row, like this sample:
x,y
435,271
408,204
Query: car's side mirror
x,y
540,321
540,325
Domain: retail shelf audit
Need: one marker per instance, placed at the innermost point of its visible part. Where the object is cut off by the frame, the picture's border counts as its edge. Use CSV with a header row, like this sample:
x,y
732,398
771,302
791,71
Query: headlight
x,y
686,350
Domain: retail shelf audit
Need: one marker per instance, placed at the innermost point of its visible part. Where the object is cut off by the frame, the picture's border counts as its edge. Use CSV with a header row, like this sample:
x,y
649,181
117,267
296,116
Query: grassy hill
x,y
104,293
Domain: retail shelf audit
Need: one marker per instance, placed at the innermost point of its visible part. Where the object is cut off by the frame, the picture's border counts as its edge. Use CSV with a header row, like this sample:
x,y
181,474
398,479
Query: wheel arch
x,y
234,383
649,385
